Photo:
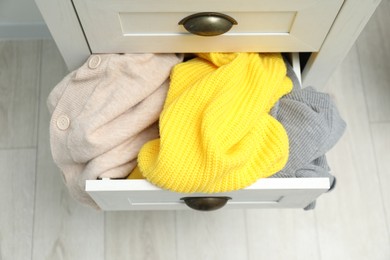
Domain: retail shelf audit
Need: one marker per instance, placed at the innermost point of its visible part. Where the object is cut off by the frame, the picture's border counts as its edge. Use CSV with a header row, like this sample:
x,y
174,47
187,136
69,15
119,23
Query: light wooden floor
x,y
39,221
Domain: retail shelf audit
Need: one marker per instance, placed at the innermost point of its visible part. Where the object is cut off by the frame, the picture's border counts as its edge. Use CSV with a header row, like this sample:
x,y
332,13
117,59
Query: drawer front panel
x,y
265,193
158,24
152,26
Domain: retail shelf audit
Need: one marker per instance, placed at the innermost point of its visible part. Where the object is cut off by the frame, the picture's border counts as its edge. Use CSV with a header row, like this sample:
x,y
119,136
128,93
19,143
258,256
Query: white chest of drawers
x,y
323,29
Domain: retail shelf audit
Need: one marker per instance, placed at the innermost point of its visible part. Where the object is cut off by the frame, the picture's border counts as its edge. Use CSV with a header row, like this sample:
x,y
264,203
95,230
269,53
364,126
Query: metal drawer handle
x,y
206,203
208,23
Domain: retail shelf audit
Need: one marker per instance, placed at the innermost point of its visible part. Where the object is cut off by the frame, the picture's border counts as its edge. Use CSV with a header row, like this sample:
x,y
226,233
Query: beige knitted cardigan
x,y
103,113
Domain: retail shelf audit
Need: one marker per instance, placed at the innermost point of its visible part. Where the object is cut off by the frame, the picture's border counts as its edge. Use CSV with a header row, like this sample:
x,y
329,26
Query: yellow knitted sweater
x,y
215,131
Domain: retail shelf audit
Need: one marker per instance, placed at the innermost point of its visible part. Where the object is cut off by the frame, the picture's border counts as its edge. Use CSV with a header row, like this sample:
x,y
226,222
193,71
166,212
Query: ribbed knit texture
x,y
216,133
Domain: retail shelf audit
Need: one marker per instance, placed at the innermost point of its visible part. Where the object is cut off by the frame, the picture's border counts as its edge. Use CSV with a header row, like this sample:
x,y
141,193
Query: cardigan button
x,y
94,62
63,122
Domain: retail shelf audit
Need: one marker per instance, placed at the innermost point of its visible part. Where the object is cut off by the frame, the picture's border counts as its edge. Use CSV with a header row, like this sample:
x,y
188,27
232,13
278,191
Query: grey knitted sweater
x,y
313,125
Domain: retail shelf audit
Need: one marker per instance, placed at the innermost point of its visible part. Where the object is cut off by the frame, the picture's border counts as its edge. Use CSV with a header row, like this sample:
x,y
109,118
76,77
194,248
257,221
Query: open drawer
x,y
127,194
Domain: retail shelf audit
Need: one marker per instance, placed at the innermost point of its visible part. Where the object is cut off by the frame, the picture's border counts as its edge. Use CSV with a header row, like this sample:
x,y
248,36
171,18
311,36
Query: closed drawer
x,y
153,26
112,194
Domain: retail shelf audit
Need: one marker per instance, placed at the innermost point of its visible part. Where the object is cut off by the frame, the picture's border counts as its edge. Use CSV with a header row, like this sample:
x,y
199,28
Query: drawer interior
x,y
124,194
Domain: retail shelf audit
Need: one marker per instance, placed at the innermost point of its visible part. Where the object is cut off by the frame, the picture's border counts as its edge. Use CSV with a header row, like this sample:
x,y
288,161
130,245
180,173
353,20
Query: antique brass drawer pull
x,y
206,203
208,23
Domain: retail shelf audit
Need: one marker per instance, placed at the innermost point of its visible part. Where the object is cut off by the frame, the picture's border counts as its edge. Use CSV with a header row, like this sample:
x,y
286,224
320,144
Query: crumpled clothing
x,y
102,114
216,133
314,126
